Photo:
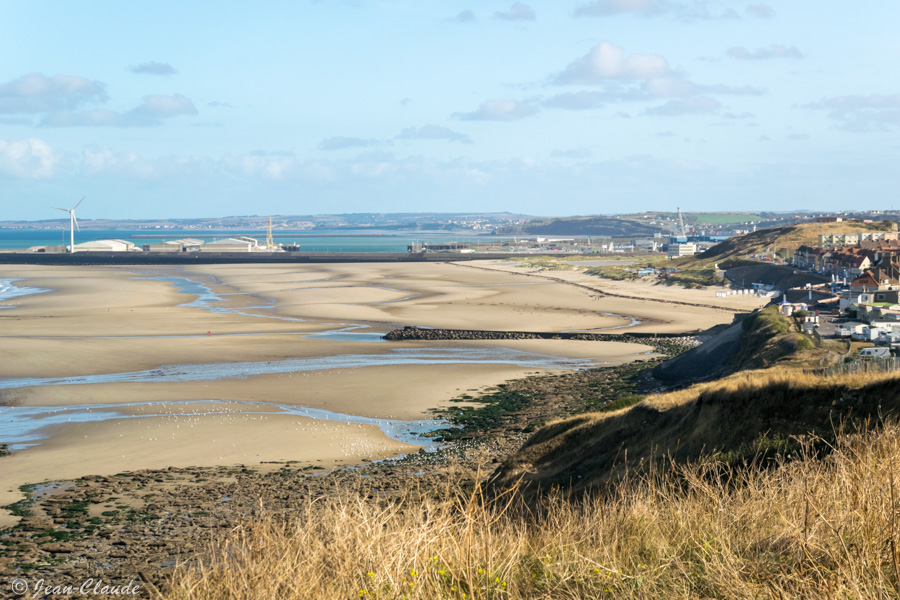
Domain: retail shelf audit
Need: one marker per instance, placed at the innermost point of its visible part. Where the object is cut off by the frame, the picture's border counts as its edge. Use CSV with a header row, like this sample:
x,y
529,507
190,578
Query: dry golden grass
x,y
814,527
747,384
808,233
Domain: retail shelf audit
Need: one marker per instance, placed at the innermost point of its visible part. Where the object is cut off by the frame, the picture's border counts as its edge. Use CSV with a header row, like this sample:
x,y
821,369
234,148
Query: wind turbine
x,y
73,222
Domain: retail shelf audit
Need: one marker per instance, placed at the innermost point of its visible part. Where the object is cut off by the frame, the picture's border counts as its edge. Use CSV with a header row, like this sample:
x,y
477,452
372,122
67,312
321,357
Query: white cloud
x,y
576,153
85,118
166,106
342,143
583,100
637,78
516,12
31,158
499,110
862,113
738,116
606,61
433,132
150,112
683,11
16,121
154,68
37,93
603,8
675,87
671,87
102,160
265,165
732,90
686,106
760,11
767,53
466,16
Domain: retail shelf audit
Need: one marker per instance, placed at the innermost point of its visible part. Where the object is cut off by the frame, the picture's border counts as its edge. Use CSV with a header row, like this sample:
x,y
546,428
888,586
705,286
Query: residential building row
x,y
849,262
830,240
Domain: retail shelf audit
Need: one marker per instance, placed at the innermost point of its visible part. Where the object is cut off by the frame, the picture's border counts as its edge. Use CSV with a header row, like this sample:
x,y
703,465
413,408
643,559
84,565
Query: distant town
x,y
642,223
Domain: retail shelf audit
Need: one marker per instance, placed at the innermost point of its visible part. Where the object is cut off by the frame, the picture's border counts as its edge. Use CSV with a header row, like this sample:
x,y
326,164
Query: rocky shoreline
x,y
139,526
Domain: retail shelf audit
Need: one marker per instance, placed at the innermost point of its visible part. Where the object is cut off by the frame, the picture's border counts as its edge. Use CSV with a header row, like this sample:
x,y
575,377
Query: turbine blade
x,y
79,202
58,208
75,221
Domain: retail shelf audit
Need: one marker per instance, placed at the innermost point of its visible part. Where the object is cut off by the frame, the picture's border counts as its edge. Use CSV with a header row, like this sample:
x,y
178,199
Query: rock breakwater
x,y
666,343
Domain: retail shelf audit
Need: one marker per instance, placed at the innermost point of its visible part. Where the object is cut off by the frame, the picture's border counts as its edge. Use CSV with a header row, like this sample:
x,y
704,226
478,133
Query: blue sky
x,y
180,109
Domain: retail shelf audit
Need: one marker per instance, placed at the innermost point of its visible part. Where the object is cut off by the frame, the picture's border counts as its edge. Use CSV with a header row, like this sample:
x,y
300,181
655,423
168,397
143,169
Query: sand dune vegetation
x,y
812,526
750,415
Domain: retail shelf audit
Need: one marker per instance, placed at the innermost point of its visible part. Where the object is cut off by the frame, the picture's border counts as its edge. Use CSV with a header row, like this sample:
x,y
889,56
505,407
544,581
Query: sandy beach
x,y
660,308
276,337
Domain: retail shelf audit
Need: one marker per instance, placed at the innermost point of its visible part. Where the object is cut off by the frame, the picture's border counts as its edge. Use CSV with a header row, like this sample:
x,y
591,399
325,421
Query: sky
x,y
201,109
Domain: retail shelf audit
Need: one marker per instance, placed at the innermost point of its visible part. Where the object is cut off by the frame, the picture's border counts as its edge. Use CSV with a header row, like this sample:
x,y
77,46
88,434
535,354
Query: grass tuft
x,y
817,526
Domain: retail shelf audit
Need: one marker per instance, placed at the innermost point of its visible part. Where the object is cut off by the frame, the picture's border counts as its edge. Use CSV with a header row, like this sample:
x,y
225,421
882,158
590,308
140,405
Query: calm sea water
x,y
11,239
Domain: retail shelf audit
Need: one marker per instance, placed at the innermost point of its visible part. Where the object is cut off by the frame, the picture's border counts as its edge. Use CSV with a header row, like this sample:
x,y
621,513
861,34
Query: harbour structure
x,y
232,244
105,246
182,245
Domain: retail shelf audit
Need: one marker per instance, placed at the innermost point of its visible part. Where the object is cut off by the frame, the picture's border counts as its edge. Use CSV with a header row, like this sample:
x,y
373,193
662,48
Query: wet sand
x,y
660,308
113,320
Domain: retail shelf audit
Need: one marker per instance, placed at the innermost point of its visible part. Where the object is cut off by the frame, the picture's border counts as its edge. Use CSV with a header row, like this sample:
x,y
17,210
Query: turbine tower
x,y
73,222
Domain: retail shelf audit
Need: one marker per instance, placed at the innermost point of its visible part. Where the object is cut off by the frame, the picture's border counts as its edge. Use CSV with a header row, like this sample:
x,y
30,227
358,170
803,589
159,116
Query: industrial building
x,y
105,246
679,250
184,245
235,244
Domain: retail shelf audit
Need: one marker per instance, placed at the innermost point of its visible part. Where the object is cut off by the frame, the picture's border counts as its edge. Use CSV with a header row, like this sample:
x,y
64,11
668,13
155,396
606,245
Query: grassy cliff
x,y
749,415
811,527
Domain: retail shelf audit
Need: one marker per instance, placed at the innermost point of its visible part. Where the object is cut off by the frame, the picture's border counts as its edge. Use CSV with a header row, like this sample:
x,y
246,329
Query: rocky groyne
x,y
667,343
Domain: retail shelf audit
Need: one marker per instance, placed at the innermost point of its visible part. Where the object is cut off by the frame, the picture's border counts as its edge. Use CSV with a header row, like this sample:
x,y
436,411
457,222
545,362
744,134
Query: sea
x,y
320,241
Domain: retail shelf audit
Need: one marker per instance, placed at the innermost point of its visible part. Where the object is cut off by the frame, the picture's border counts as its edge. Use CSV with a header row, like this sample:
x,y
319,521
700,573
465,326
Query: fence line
x,y
875,365
818,337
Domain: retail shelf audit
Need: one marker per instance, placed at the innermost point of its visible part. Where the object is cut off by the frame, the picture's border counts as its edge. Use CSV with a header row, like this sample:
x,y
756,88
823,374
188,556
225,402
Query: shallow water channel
x,y
22,426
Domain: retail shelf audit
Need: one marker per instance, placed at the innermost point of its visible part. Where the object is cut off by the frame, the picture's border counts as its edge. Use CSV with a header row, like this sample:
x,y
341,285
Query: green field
x,y
725,218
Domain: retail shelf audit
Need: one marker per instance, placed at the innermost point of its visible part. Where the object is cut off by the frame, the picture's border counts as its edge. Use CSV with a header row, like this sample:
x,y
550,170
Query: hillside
x,y
584,450
781,239
741,250
748,416
763,396
598,226
761,340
